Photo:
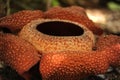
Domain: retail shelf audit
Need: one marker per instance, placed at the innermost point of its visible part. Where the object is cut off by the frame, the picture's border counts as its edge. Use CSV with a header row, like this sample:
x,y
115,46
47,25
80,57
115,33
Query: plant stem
x,y
8,7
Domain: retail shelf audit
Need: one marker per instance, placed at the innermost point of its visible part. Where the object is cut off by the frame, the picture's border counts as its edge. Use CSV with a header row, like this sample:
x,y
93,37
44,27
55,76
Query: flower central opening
x,y
59,28
5,30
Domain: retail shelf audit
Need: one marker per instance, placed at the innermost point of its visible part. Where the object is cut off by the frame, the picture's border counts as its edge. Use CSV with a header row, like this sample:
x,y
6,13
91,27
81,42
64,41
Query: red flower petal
x,y
16,21
17,53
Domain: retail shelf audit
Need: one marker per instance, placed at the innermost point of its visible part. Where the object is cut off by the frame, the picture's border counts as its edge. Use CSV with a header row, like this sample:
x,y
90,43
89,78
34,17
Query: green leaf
x,y
113,6
55,3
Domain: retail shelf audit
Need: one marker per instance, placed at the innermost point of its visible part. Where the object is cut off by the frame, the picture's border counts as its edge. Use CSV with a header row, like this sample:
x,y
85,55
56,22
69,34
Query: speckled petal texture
x,y
52,43
107,41
112,41
70,13
17,53
113,55
75,65
72,65
16,21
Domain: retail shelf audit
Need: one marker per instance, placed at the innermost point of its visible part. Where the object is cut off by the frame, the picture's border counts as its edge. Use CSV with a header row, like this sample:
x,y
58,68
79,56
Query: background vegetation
x,y
10,6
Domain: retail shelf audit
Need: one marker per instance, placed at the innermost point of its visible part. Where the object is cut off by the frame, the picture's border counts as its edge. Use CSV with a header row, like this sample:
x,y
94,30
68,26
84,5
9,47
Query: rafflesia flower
x,y
67,50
